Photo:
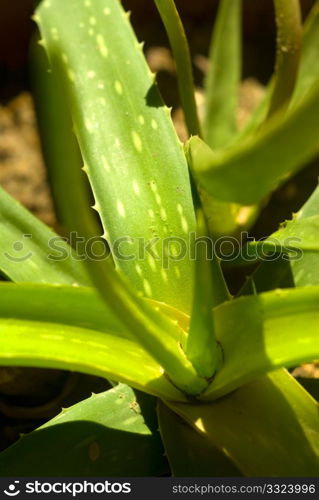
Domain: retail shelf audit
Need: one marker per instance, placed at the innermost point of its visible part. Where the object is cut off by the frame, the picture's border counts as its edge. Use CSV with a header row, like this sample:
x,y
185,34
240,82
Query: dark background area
x,y
198,16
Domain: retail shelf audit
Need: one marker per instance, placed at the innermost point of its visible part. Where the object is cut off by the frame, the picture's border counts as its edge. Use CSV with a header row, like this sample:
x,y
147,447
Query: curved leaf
x,y
263,332
48,345
249,171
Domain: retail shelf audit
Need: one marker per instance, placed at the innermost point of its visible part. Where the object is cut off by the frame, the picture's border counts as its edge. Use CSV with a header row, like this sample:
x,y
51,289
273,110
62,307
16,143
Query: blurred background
x,y
29,397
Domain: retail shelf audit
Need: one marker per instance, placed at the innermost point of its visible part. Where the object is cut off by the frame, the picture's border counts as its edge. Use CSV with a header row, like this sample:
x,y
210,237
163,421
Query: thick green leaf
x,y
222,82
249,171
152,330
31,252
53,345
189,453
268,427
263,332
67,305
75,306
107,434
124,132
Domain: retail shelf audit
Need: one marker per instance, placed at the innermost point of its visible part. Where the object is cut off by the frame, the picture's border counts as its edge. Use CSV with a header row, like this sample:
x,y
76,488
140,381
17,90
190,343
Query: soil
x,y
22,171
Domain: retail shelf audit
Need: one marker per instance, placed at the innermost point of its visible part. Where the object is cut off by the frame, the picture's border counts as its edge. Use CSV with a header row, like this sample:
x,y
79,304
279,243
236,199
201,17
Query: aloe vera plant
x,y
138,301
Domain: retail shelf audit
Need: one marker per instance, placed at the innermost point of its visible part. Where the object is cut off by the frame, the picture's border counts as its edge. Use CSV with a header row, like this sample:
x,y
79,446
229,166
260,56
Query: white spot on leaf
x,y
147,288
136,188
101,45
185,226
164,275
120,208
106,166
118,87
137,141
138,269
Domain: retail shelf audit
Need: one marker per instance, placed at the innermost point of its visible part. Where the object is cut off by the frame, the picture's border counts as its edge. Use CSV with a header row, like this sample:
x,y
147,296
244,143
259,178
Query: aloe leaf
x,y
222,82
309,64
249,171
54,345
264,332
31,252
189,453
299,233
210,290
180,48
59,145
251,426
308,74
302,271
107,434
289,31
116,110
306,269
75,306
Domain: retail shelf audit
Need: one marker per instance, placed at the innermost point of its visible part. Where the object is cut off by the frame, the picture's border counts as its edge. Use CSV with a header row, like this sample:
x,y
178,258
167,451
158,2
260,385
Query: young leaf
x,y
264,332
268,427
53,345
124,132
249,171
307,75
180,48
309,64
210,290
31,252
223,79
289,31
107,434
